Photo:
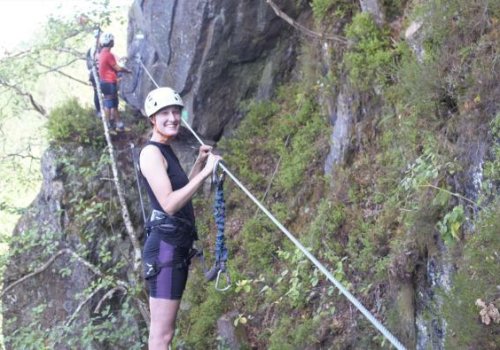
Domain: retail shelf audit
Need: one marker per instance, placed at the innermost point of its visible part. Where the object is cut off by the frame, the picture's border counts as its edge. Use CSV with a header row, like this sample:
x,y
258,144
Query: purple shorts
x,y
167,282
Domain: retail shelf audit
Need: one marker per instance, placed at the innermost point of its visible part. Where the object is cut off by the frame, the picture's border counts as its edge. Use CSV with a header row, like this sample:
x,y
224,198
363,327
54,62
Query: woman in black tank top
x,y
170,191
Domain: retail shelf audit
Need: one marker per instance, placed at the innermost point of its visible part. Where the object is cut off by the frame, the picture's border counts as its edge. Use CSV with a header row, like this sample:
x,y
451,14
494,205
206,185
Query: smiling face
x,y
167,122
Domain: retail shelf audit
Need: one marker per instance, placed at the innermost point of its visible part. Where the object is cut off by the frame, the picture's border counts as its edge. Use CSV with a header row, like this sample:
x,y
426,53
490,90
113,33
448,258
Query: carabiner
x,y
228,281
216,180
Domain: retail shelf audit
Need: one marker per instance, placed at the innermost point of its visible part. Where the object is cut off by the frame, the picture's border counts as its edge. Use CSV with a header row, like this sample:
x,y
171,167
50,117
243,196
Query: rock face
x,y
414,37
231,336
43,223
373,7
343,120
240,47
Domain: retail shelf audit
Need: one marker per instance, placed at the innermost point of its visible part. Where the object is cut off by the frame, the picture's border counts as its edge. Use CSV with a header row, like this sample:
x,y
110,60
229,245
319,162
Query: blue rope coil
x,y
220,220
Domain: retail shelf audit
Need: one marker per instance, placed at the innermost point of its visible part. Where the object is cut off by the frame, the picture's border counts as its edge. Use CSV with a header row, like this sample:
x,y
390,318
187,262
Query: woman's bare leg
x,y
163,315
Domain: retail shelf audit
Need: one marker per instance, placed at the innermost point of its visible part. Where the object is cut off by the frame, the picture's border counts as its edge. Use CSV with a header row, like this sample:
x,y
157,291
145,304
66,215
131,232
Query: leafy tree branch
x,y
58,71
49,262
38,107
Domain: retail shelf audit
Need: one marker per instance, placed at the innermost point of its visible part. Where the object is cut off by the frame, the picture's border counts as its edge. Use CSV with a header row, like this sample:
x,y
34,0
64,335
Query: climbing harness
x,y
220,267
169,225
159,218
154,268
369,316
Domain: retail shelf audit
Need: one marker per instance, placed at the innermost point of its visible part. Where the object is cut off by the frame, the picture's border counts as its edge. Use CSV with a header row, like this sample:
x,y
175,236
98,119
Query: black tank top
x,y
178,179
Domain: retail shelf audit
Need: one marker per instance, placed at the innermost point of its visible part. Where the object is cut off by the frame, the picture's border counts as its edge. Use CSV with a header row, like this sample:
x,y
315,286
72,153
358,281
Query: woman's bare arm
x,y
153,167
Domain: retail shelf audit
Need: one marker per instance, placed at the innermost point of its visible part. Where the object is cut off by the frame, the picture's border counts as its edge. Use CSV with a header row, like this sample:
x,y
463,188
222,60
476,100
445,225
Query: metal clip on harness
x,y
222,270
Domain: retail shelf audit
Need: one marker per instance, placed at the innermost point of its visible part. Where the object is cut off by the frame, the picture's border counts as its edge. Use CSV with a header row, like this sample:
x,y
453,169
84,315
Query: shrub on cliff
x,y
70,122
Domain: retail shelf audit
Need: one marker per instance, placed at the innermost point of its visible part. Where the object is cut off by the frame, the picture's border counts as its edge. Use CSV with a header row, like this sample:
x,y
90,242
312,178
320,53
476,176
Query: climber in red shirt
x,y
108,69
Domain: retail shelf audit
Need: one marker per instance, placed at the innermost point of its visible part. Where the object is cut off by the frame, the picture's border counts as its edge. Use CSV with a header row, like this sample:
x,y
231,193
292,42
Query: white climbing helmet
x,y
106,38
160,98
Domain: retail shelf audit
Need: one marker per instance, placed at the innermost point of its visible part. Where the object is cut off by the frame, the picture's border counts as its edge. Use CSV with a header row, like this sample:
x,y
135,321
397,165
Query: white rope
x,y
376,323
147,72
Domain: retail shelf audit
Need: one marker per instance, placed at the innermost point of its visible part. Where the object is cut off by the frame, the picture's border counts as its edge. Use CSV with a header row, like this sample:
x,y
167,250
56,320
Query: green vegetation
x,y
450,226
368,60
477,278
323,9
69,122
477,275
377,220
285,138
320,8
293,135
323,230
393,8
206,309
302,335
